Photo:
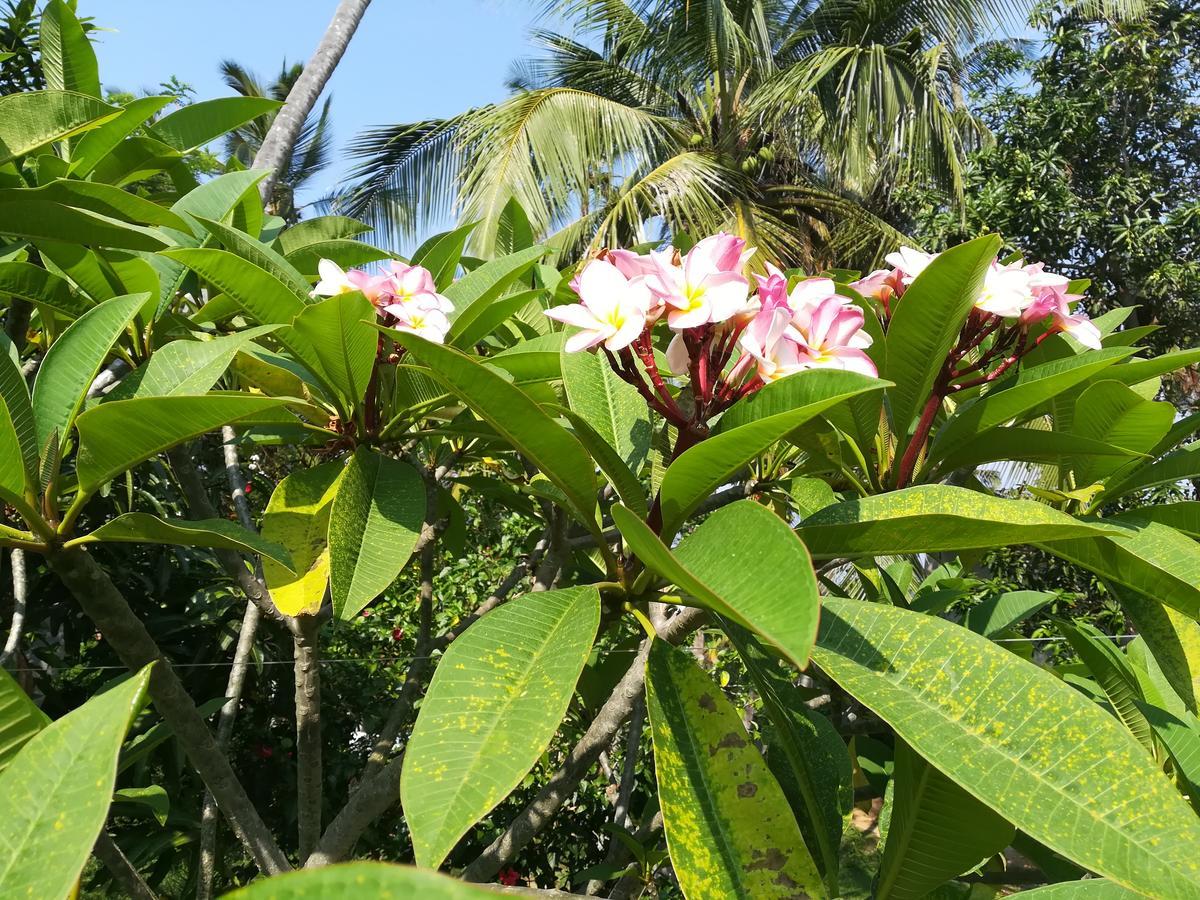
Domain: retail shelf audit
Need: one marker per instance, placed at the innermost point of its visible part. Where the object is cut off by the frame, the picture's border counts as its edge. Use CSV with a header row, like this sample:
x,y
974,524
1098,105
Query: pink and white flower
x,y
334,280
1054,301
707,288
612,310
428,322
909,263
414,285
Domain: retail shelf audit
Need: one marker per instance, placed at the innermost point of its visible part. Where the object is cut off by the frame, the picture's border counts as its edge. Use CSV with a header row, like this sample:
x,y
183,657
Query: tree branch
x,y
121,869
621,819
20,585
608,721
309,770
127,635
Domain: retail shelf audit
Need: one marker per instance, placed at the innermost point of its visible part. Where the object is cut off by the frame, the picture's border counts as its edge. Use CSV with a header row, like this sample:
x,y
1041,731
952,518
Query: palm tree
x,y
798,124
313,147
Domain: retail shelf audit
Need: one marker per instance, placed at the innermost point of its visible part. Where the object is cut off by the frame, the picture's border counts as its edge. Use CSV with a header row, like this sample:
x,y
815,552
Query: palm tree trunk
x,y
277,146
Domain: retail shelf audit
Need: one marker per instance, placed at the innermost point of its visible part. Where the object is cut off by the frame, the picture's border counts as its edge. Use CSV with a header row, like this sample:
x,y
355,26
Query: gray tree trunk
x,y
277,146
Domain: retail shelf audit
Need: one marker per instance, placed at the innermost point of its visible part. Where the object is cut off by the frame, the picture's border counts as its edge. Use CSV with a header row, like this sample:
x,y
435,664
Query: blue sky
x,y
408,61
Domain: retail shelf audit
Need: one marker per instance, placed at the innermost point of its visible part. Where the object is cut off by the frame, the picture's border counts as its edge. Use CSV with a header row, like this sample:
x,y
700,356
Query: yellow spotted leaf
x,y
297,519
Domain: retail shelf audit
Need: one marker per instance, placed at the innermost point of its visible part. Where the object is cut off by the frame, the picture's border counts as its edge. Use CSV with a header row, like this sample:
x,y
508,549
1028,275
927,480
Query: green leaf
x,y
20,719
743,563
927,322
1109,411
497,698
804,752
749,428
257,291
29,216
934,518
1028,390
12,467
143,528
477,290
1027,445
626,484
317,230
31,120
93,146
1181,736
15,396
260,254
937,831
1147,557
1113,672
68,60
185,367
999,613
1173,640
33,283
614,409
153,796
729,829
102,199
73,362
516,417
343,344
55,793
441,253
538,359
218,198
1091,889
373,527
117,436
297,519
196,124
1180,465
347,254
1035,750
354,881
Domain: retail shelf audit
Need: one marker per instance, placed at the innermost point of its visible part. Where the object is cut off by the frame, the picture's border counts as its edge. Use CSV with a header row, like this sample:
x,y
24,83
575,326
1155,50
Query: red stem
x,y
909,461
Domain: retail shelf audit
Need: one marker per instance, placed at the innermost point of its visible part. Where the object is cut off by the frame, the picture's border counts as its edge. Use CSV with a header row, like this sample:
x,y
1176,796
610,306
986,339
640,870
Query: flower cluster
x,y
1013,290
406,296
707,301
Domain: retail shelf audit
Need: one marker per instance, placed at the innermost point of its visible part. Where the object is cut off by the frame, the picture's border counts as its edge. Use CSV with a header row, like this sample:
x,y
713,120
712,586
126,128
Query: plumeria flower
x,y
1006,291
414,284
631,264
428,322
728,252
1057,304
882,284
833,337
702,289
909,263
334,281
612,310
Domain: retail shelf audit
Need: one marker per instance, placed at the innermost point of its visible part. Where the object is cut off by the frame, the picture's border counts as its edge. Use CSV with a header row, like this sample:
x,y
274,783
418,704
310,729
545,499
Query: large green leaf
x,y
1111,412
516,417
373,526
55,793
33,283
749,428
13,479
186,367
358,881
477,290
347,254
68,60
143,528
94,145
1114,673
1028,445
614,409
196,124
257,291
1179,465
343,344
936,831
497,698
934,518
626,484
998,614
74,361
20,719
1038,752
804,752
262,255
1150,558
32,119
319,230
1091,889
15,395
297,519
27,215
927,322
1173,639
1027,390
1181,736
116,436
729,829
441,253
743,563
103,199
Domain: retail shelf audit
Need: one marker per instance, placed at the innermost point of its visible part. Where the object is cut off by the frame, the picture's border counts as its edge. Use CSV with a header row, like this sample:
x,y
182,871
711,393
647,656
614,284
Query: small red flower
x,y
509,877
366,614
397,634
249,489
263,751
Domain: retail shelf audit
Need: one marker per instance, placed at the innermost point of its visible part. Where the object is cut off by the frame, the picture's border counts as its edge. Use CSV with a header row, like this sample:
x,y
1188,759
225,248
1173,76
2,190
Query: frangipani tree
x,y
769,461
